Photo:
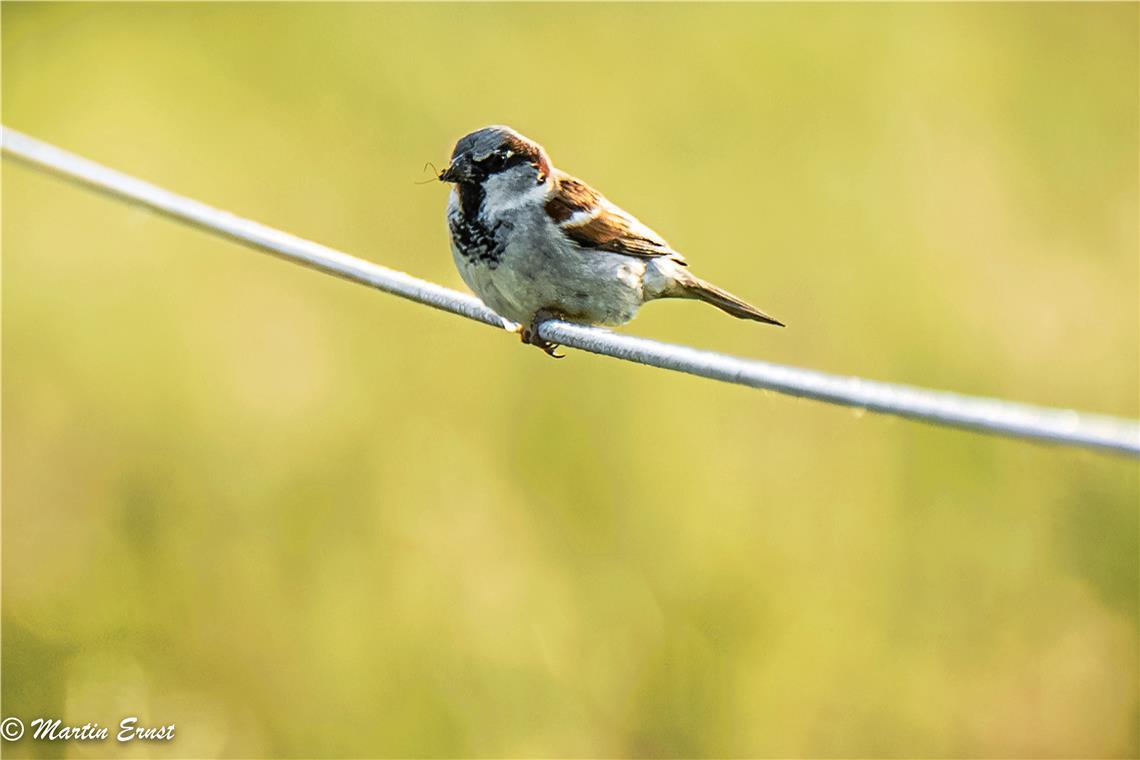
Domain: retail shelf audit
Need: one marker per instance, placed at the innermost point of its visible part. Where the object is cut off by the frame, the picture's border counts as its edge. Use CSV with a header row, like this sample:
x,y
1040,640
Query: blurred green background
x,y
300,518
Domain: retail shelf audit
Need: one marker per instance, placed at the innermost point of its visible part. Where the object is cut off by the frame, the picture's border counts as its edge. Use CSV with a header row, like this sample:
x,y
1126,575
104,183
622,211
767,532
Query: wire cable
x,y
986,415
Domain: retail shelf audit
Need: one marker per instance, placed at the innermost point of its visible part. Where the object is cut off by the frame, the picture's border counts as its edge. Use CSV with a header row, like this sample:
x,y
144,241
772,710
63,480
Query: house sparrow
x,y
535,243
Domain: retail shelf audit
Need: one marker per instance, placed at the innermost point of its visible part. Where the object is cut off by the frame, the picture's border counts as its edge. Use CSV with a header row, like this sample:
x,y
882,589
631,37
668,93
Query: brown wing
x,y
591,221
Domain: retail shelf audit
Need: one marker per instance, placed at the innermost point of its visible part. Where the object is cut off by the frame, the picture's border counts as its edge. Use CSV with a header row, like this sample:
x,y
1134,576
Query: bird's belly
x,y
584,286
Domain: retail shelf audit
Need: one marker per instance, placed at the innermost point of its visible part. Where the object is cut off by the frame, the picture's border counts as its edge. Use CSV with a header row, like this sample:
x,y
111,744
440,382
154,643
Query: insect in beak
x,y
438,174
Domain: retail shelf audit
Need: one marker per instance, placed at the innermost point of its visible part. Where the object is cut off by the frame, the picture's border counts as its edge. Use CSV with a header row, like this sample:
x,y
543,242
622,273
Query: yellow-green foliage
x,y
298,517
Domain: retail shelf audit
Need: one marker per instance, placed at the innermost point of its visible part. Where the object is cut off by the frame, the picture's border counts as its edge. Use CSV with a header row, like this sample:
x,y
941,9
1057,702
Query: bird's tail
x,y
690,286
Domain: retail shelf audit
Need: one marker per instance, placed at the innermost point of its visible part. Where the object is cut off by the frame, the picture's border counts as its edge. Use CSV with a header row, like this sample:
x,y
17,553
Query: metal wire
x,y
1057,426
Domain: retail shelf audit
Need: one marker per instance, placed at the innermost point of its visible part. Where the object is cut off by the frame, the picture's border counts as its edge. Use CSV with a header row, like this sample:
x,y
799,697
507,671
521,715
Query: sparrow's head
x,y
497,153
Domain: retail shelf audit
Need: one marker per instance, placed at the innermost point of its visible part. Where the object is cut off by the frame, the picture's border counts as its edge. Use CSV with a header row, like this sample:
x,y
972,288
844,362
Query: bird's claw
x,y
529,334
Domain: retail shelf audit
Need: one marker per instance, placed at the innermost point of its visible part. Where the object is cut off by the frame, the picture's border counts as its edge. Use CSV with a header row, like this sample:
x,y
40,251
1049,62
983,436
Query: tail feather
x,y
692,286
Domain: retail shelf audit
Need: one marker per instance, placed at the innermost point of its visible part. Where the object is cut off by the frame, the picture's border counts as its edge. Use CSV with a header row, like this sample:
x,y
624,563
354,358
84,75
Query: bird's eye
x,y
492,162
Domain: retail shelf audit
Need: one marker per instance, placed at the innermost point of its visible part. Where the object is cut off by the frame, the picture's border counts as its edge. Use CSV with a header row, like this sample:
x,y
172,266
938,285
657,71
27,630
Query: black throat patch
x,y
476,242
471,196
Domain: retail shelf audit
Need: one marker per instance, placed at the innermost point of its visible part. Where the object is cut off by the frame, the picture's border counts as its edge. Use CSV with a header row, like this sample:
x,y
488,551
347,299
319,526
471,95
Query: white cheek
x,y
503,193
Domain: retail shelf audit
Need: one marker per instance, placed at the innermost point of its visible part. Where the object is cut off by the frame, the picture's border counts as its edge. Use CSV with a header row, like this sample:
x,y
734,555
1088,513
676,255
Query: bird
x,y
535,243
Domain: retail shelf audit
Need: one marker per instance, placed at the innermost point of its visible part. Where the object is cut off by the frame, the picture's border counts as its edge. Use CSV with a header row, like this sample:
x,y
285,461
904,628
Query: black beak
x,y
458,171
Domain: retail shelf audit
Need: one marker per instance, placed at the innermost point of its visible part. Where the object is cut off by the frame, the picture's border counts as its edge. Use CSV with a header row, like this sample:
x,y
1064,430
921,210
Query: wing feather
x,y
593,223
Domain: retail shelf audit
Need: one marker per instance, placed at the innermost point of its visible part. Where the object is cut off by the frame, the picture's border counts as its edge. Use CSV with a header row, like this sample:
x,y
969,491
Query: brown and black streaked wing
x,y
601,225
571,196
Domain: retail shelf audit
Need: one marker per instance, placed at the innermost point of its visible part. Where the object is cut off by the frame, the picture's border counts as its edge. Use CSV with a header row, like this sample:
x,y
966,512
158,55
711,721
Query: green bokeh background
x,y
297,517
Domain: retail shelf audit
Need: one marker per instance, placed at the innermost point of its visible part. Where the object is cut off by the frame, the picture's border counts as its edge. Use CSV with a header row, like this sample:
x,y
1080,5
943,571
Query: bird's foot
x,y
529,334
